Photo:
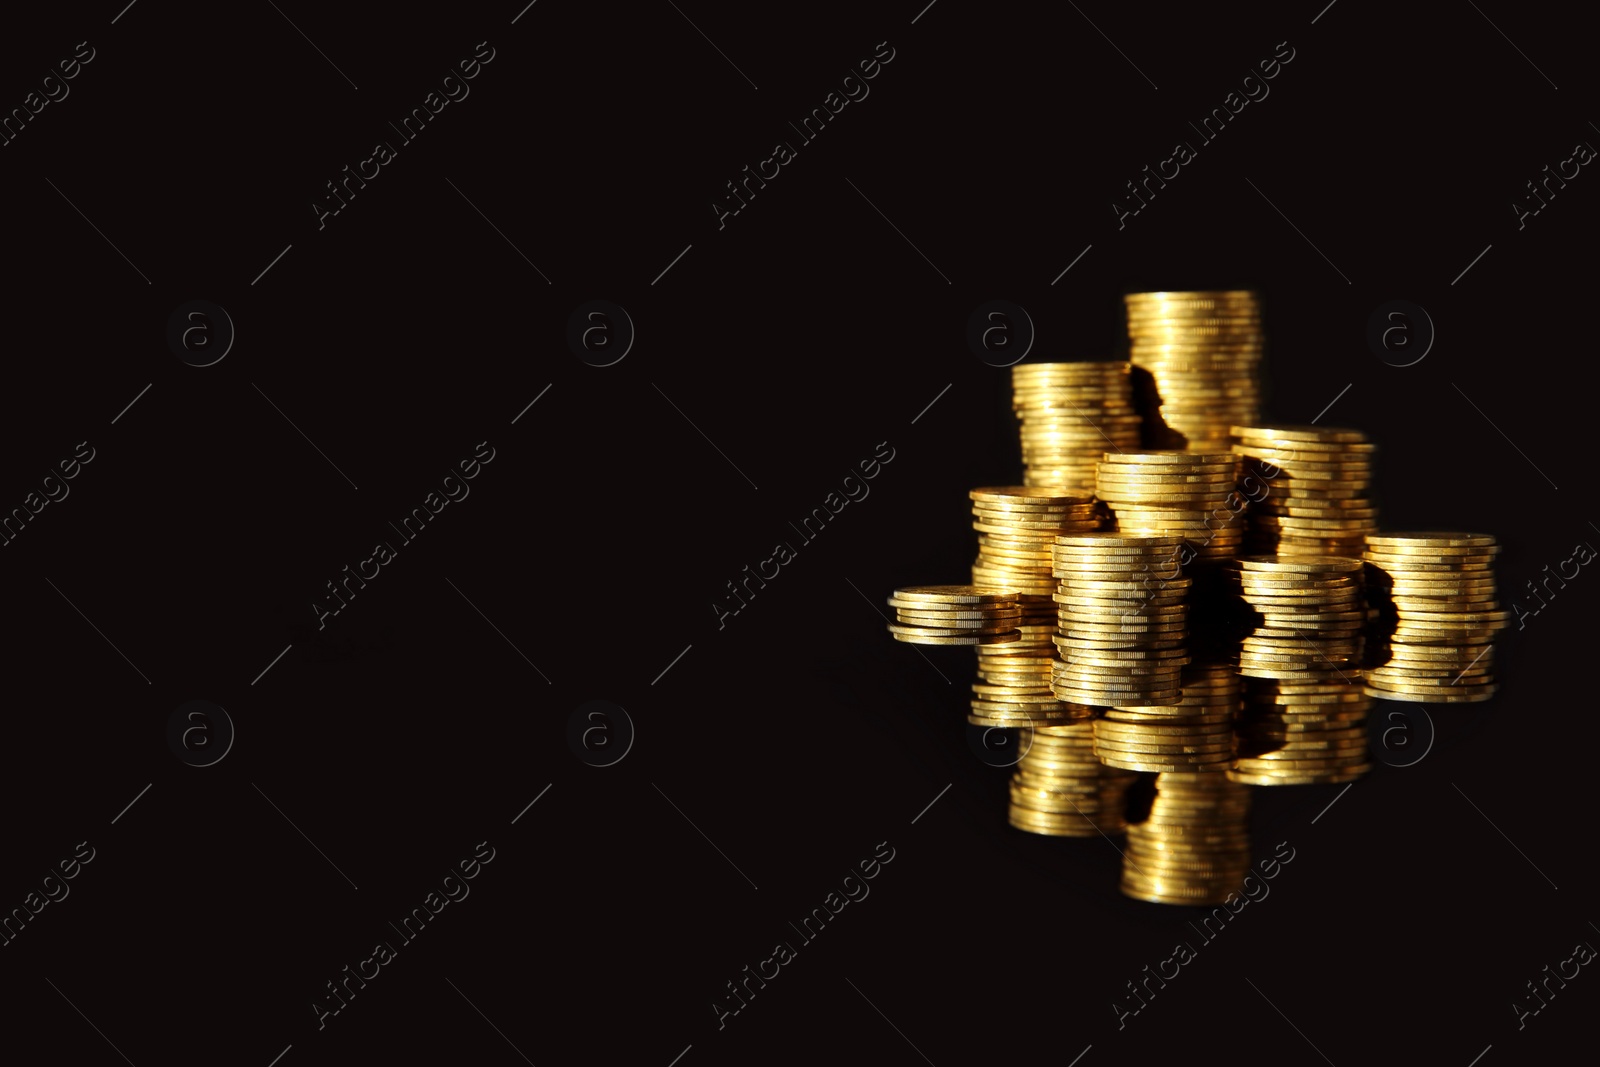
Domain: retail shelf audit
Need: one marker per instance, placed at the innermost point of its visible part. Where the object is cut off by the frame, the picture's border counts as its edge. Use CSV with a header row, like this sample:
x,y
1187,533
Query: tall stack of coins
x,y
1060,789
1196,734
1194,848
1202,352
954,615
1071,413
1315,482
1185,493
1121,619
1017,526
1440,589
1307,724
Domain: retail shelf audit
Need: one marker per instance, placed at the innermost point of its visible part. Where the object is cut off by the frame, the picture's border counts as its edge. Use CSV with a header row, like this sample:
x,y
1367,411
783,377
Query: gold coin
x,y
1350,775
1441,554
1115,540
956,612
1308,434
952,594
1431,539
976,639
1024,494
915,627
903,630
1100,695
1168,457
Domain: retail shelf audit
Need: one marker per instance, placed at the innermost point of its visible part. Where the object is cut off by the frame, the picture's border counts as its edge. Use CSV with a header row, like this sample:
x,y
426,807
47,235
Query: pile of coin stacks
x,y
1185,493
1202,351
1309,493
1161,522
1059,788
1441,589
1070,413
1308,724
1017,526
1194,848
954,615
1122,616
1196,734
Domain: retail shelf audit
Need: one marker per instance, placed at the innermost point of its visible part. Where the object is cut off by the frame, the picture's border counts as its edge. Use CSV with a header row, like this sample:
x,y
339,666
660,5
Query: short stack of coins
x,y
1313,484
1194,847
1017,526
1008,695
1167,492
1060,789
1440,589
954,615
1202,351
1070,413
1122,619
1302,733
1312,612
1196,734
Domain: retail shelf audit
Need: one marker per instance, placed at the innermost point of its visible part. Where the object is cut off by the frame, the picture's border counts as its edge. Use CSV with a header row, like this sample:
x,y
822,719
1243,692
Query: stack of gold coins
x,y
1304,721
1060,789
1014,702
1017,526
1440,588
1186,493
1122,617
1302,733
954,615
1009,694
1202,353
1311,615
1196,734
1194,848
1312,498
1070,413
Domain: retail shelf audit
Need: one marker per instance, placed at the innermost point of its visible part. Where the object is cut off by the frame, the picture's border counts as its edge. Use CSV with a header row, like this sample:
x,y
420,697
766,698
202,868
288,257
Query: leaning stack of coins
x,y
1184,493
1060,789
1194,848
1440,588
1017,526
954,615
1302,733
1312,496
1202,352
1070,413
1194,735
1121,625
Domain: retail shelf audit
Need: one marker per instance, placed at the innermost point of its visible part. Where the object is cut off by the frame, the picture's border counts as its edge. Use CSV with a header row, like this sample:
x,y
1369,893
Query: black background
x,y
772,754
